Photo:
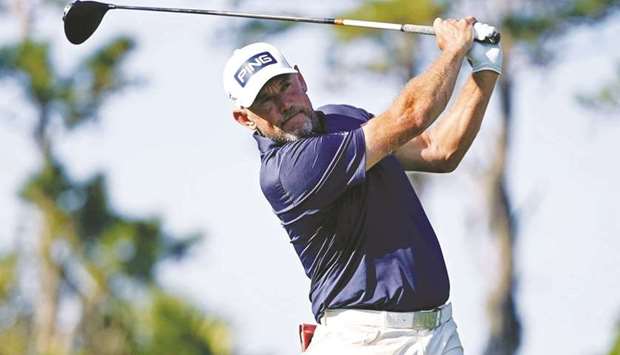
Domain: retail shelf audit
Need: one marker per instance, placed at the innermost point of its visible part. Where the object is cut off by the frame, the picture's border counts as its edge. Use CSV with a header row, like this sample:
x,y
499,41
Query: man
x,y
335,178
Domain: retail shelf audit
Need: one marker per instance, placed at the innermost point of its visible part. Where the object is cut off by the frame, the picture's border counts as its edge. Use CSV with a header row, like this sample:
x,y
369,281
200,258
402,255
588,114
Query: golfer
x,y
335,177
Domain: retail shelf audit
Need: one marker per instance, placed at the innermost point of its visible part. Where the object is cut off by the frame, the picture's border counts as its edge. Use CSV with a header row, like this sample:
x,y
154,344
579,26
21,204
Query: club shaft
x,y
428,30
425,30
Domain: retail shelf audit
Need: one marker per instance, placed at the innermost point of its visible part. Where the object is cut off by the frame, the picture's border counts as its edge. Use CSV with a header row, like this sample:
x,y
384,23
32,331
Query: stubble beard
x,y
306,130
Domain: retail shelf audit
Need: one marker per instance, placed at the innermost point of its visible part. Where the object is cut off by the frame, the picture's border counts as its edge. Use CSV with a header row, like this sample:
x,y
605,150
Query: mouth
x,y
290,117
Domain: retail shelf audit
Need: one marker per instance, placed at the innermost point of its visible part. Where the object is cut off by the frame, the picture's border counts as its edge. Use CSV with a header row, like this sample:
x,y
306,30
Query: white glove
x,y
483,31
484,56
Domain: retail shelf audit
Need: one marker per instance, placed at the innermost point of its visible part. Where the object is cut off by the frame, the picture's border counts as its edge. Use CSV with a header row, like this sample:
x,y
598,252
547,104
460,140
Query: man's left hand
x,y
484,56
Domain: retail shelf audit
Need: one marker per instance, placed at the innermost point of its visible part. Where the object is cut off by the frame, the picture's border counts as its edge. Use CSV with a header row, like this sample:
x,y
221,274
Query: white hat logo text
x,y
253,66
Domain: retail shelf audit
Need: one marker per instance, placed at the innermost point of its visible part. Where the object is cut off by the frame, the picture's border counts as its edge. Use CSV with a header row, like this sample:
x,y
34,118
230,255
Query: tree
x,y
530,25
87,255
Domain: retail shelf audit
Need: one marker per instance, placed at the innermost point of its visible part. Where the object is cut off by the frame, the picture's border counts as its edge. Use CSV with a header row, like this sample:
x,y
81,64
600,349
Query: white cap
x,y
249,68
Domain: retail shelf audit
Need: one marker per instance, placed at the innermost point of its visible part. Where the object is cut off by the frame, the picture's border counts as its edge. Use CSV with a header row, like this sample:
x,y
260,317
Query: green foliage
x,y
49,181
29,62
13,329
593,9
99,76
605,99
615,348
14,338
173,321
88,253
394,52
529,26
114,330
109,240
7,275
135,247
76,96
162,325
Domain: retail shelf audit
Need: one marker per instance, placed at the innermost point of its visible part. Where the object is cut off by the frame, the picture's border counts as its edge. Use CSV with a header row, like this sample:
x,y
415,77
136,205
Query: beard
x,y
307,129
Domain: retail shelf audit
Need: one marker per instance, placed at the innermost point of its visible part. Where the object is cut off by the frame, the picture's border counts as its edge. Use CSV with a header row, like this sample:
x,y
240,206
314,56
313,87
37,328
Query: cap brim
x,y
258,81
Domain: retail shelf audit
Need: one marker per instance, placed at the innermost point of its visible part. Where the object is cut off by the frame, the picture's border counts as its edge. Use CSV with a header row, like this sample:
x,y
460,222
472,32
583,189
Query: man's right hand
x,y
424,97
454,36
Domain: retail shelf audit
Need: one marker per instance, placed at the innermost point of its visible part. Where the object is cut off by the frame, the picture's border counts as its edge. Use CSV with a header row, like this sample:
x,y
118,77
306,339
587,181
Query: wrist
x,y
485,79
486,75
458,53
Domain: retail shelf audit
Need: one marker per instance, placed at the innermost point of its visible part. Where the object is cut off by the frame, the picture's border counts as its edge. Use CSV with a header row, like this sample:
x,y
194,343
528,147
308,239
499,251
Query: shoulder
x,y
327,162
346,110
293,161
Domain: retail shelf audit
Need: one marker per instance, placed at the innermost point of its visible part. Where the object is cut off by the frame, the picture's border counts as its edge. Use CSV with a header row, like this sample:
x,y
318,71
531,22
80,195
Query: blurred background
x,y
132,222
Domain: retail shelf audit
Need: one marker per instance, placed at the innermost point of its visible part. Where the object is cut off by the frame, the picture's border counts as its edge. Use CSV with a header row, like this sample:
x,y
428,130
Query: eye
x,y
264,104
261,99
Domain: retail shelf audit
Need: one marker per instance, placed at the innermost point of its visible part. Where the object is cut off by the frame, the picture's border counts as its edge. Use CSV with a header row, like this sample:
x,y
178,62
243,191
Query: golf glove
x,y
484,56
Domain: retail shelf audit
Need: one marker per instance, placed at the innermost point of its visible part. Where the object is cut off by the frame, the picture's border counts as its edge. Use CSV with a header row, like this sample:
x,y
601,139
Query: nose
x,y
283,103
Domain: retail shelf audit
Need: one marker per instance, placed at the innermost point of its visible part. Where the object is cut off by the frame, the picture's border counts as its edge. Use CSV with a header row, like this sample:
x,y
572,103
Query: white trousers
x,y
344,335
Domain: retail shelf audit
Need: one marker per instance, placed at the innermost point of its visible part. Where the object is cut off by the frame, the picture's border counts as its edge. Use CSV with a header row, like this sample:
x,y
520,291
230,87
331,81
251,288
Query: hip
x,y
432,332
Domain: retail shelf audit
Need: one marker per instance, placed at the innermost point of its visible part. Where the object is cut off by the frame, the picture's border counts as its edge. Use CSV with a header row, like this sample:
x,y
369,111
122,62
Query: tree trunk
x,y
47,303
22,9
47,338
505,332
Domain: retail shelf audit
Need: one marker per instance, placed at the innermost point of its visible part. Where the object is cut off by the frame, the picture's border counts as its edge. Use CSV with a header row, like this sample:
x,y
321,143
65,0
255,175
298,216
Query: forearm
x,y
455,132
426,96
418,105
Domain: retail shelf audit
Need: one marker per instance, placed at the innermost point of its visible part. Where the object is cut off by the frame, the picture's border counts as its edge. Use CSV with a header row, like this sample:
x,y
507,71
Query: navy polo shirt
x,y
362,236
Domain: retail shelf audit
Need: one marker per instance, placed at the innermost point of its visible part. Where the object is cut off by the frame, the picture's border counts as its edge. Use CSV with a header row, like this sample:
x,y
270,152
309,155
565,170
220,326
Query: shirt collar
x,y
264,144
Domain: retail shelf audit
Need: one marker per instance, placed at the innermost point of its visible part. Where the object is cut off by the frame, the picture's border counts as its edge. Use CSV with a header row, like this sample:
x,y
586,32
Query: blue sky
x,y
171,149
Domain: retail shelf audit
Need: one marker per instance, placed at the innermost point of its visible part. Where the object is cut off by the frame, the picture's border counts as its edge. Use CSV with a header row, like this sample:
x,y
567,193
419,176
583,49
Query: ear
x,y
241,116
301,78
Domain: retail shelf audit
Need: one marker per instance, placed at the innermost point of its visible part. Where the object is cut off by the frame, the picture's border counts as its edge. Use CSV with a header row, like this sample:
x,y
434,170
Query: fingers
x,y
455,35
460,24
437,23
482,31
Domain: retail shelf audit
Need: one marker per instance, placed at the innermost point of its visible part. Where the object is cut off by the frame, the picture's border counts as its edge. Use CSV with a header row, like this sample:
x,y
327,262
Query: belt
x,y
418,320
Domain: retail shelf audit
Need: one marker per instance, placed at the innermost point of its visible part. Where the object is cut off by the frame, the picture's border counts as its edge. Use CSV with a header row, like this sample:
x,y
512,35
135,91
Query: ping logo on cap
x,y
253,66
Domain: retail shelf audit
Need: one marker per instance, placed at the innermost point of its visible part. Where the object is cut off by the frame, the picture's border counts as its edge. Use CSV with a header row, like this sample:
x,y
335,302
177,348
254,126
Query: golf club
x,y
82,18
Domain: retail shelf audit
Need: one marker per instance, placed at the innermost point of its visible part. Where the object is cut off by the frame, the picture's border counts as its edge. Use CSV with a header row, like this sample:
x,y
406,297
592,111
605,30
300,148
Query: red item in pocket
x,y
306,331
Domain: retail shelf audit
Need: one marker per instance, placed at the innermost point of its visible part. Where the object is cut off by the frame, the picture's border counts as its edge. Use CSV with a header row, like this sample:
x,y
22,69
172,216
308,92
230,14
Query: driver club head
x,y
82,19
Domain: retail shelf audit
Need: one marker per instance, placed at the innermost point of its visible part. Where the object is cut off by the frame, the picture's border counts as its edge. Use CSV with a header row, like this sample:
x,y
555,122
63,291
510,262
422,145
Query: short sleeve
x,y
315,171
